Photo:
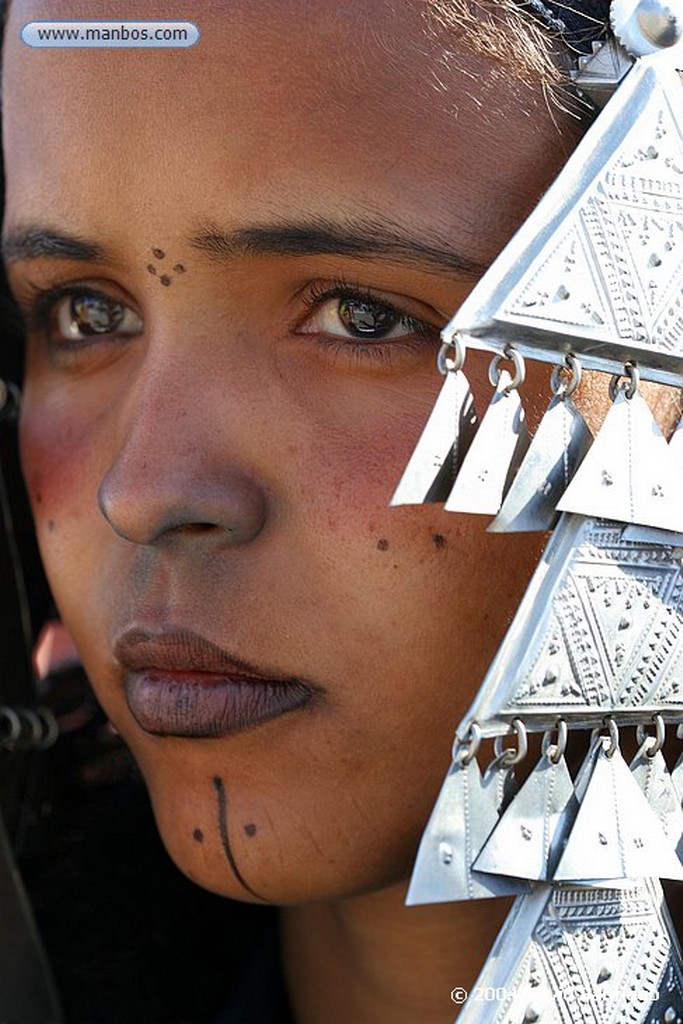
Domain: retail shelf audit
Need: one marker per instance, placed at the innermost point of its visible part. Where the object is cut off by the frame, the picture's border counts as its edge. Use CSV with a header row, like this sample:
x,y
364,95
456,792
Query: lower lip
x,y
201,704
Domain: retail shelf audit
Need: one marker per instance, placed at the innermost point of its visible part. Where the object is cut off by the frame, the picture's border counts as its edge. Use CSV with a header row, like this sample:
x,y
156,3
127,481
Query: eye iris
x,y
366,319
94,314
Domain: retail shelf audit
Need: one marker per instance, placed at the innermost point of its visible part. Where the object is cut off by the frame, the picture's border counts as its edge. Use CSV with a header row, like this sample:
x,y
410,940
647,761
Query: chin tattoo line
x,y
222,798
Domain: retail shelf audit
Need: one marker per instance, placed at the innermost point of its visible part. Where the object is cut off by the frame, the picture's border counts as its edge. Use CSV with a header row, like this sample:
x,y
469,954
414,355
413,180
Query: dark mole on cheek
x,y
250,829
439,541
198,835
51,524
179,268
151,269
165,280
39,498
383,545
158,254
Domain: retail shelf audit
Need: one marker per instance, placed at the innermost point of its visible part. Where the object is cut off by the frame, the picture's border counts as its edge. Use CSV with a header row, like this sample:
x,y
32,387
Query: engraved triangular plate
x,y
524,841
442,446
466,811
627,474
494,454
616,834
596,269
599,630
572,955
558,446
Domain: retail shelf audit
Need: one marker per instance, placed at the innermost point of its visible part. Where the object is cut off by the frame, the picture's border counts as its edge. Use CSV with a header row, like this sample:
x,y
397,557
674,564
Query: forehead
x,y
282,103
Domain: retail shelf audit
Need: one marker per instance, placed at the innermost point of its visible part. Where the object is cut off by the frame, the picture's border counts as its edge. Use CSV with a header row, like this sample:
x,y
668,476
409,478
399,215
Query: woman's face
x,y
235,260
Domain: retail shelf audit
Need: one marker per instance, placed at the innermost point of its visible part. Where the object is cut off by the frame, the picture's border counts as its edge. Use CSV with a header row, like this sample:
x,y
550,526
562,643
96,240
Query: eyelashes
x,y
77,315
347,317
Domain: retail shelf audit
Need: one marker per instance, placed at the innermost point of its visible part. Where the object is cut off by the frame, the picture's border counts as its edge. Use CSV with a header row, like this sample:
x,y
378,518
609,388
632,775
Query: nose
x,y
171,481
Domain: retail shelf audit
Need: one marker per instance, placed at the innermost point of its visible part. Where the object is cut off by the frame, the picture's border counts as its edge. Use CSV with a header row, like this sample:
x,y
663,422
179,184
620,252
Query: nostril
x,y
197,528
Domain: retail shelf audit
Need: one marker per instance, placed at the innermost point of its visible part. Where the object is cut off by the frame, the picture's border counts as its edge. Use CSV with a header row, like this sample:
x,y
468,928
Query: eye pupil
x,y
95,314
366,319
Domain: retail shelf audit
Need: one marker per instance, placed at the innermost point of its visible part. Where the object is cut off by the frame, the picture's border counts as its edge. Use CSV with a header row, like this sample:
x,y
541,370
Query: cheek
x,y
61,467
56,455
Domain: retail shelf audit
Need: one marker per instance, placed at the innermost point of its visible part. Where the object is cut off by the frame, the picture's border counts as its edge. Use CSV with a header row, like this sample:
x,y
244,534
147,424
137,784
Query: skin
x,y
242,407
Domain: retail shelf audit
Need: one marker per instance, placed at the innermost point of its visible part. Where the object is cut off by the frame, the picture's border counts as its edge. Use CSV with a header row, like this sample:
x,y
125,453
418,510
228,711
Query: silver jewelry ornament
x,y
443,444
557,448
577,955
466,811
496,450
595,275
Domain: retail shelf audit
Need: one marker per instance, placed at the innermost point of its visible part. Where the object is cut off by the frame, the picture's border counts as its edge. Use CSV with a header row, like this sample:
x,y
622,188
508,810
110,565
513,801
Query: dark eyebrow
x,y
381,239
318,237
30,242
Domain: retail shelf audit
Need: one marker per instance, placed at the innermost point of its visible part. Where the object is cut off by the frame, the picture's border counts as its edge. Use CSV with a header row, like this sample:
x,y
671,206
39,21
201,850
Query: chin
x,y
236,843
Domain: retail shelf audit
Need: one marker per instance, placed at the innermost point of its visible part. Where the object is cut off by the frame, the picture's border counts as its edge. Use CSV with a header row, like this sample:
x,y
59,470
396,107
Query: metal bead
x,y
648,25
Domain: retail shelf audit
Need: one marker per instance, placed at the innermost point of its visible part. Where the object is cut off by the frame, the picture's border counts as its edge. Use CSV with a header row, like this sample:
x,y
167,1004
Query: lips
x,y
177,683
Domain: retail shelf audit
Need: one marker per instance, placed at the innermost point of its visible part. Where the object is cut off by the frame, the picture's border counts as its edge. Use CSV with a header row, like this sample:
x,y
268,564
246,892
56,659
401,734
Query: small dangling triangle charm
x,y
615,834
451,426
494,455
653,777
677,778
627,475
527,839
466,811
557,448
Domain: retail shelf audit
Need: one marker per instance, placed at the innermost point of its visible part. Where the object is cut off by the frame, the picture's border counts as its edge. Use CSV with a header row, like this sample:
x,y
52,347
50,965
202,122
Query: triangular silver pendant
x,y
677,777
558,446
525,840
627,474
466,811
599,631
493,456
443,444
616,834
596,269
573,955
653,777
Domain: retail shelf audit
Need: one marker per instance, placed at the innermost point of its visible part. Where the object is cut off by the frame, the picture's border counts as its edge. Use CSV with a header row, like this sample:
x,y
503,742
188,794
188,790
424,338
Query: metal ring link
x,y
508,756
448,342
566,377
613,736
32,729
50,727
633,373
29,728
465,751
555,751
8,716
520,369
650,744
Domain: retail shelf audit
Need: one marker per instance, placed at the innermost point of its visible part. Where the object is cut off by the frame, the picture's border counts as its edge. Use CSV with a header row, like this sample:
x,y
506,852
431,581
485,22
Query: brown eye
x,y
359,318
93,314
367,319
86,314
